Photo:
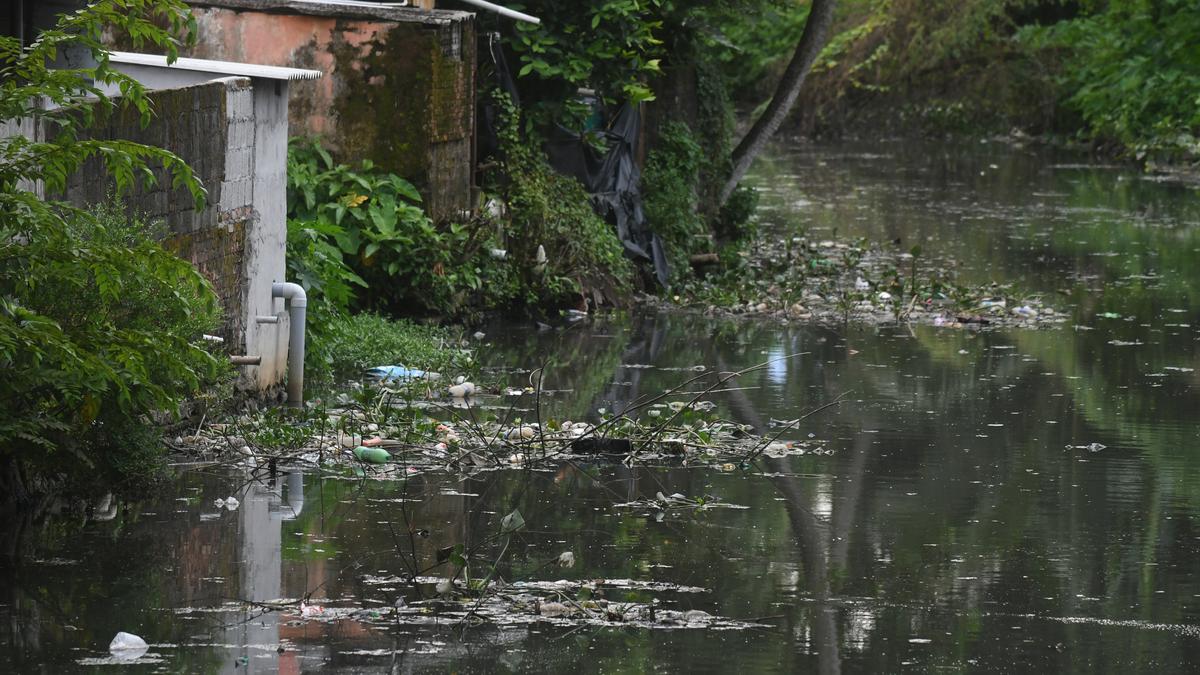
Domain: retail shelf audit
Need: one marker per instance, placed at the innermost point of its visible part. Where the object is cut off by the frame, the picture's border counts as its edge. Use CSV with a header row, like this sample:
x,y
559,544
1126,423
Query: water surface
x,y
1019,501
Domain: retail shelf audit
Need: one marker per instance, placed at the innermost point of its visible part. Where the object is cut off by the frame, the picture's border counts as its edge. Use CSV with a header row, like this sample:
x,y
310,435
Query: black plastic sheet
x,y
613,180
611,177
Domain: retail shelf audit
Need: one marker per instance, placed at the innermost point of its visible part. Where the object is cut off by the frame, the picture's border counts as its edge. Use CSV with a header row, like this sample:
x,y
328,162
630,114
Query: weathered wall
x,y
191,122
266,249
233,133
399,84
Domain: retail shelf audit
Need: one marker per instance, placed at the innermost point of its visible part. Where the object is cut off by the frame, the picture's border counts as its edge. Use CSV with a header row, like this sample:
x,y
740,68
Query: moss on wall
x,y
382,102
401,96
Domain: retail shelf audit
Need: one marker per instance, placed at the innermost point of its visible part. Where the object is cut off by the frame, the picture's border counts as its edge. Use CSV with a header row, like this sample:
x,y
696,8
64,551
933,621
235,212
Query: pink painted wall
x,y
398,91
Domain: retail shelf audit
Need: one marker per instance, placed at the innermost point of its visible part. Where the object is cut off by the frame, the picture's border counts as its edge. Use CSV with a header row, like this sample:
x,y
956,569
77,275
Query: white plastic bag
x,y
127,647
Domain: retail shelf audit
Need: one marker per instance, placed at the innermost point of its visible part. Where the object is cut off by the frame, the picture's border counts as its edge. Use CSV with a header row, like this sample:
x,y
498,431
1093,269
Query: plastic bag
x,y
127,647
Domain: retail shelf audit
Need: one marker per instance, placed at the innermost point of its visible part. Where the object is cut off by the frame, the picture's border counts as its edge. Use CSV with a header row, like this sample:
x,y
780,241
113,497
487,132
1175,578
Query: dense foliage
x,y
1132,69
550,212
671,179
627,52
1121,72
361,240
99,325
610,46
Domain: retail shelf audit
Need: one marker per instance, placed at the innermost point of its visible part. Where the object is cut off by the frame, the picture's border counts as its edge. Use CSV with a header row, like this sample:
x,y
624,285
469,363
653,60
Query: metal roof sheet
x,y
220,67
356,3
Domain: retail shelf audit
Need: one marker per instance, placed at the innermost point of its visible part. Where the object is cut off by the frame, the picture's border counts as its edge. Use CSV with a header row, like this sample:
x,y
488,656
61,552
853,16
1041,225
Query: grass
x,y
350,344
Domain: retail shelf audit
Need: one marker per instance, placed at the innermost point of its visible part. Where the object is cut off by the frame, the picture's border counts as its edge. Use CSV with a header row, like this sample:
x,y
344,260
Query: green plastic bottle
x,y
372,455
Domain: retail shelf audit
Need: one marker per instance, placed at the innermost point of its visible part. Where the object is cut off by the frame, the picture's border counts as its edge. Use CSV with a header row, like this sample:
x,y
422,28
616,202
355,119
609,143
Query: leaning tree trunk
x,y
816,31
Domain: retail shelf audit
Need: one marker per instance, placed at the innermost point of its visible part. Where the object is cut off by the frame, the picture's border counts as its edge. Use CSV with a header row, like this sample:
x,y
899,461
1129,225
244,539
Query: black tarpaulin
x,y
612,177
613,180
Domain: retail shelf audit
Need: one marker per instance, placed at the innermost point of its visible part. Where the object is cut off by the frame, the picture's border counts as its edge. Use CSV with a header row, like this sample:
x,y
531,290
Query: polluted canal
x,y
992,498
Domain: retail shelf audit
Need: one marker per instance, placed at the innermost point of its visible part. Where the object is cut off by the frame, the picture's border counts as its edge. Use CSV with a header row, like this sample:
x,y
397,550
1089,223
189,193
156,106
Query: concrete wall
x,y
233,133
398,89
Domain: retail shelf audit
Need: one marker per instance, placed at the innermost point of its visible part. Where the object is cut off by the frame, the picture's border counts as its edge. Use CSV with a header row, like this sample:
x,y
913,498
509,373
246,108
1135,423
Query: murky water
x,y
1019,501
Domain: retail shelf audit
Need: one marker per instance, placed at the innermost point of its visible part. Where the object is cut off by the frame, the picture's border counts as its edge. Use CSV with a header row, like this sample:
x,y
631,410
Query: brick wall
x,y
211,127
219,254
232,132
189,122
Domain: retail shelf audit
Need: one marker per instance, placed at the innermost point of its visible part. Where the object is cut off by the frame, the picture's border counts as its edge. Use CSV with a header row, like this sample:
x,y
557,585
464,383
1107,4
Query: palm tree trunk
x,y
816,31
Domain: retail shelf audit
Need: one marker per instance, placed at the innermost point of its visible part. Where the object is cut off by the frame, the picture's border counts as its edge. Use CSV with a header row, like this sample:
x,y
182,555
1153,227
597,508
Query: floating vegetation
x,y
675,504
386,432
696,437
838,282
563,603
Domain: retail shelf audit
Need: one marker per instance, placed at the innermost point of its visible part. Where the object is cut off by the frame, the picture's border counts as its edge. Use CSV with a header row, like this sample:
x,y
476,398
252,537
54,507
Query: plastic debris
x,y
539,260
308,611
566,559
127,647
462,390
229,503
521,433
374,455
553,609
396,373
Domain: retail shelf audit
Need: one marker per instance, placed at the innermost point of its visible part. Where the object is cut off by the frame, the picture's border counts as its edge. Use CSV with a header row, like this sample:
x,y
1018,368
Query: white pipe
x,y
504,11
297,308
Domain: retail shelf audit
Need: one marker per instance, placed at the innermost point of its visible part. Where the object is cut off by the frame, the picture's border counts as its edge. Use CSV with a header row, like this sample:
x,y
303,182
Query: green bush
x,y
360,240
1133,71
669,185
99,326
611,46
736,221
583,255
352,344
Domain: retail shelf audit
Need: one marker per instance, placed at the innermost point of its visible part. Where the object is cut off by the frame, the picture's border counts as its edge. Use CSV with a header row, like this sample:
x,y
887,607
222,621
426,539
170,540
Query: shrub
x,y
1133,71
611,46
99,326
583,255
360,239
669,185
352,344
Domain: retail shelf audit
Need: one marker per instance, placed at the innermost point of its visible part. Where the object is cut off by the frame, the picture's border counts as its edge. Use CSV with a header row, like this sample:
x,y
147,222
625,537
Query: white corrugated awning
x,y
362,4
217,67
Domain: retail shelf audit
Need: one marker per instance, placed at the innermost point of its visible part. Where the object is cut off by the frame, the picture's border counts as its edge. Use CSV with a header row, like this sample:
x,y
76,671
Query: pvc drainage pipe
x,y
504,11
297,310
